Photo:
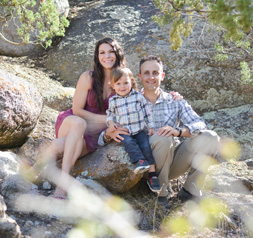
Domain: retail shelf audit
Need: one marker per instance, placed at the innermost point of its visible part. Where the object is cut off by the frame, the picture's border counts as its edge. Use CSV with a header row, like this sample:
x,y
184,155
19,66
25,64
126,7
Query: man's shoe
x,y
141,166
183,195
154,184
163,201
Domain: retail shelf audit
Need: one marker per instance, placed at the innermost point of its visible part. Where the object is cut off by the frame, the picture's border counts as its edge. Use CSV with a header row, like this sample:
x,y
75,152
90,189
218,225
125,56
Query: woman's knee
x,y
57,146
79,124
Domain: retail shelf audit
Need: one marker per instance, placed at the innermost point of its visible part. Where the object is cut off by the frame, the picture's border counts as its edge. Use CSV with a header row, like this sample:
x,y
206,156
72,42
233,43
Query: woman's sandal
x,y
59,196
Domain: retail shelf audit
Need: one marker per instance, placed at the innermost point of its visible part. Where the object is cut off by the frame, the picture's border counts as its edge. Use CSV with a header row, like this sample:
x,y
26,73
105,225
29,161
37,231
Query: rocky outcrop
x,y
110,166
189,71
21,105
234,123
8,226
10,32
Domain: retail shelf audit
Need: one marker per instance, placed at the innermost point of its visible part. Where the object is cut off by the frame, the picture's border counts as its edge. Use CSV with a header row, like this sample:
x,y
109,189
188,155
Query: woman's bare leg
x,y
72,129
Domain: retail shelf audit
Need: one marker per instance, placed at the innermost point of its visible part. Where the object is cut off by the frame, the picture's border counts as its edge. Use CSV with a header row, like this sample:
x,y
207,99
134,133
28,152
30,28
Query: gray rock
x,y
14,185
9,228
10,32
110,166
46,185
20,107
3,207
40,137
9,164
234,123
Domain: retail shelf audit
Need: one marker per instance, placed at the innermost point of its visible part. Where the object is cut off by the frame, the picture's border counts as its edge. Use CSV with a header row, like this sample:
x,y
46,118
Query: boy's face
x,y
123,86
151,75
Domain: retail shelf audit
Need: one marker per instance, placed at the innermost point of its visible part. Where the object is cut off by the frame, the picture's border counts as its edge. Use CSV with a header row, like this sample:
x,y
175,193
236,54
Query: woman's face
x,y
106,56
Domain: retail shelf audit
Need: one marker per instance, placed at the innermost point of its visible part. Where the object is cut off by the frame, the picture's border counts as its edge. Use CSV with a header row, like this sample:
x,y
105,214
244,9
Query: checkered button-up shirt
x,y
167,111
131,112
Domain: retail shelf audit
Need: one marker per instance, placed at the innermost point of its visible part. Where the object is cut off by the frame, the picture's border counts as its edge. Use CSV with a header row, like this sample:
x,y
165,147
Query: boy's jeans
x,y
137,146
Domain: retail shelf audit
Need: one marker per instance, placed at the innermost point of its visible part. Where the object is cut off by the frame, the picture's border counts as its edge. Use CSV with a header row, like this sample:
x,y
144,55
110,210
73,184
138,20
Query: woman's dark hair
x,y
98,71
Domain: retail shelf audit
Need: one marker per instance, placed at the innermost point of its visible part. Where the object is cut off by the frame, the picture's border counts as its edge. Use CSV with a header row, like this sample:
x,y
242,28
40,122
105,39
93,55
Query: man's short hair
x,y
150,58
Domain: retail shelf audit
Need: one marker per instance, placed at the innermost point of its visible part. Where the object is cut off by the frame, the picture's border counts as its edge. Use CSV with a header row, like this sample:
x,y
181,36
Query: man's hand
x,y
167,131
115,135
151,132
176,96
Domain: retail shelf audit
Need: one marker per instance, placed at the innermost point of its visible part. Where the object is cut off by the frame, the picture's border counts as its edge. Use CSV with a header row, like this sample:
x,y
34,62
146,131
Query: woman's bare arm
x,y
80,98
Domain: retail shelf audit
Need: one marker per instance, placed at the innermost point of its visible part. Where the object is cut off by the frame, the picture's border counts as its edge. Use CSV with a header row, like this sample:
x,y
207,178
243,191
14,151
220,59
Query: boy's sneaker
x,y
141,166
154,184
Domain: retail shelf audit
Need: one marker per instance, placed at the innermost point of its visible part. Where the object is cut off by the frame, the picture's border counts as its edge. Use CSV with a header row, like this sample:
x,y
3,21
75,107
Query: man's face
x,y
151,75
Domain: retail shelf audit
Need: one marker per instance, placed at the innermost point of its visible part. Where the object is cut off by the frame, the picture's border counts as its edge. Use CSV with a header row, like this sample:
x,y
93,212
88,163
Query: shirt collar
x,y
128,95
162,97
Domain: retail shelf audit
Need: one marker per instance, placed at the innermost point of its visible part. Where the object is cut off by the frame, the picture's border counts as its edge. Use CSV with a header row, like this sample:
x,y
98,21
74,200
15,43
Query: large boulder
x,y
20,107
9,30
54,94
189,71
110,166
8,227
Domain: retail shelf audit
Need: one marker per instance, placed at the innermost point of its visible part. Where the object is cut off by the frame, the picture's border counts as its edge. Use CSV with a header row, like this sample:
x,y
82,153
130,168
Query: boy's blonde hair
x,y
118,72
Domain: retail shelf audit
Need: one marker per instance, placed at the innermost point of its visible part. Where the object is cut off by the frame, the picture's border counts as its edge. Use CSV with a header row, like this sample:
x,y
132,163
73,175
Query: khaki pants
x,y
172,161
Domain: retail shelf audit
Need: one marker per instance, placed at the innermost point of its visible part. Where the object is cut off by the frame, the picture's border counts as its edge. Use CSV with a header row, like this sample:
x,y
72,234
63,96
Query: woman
x,y
78,128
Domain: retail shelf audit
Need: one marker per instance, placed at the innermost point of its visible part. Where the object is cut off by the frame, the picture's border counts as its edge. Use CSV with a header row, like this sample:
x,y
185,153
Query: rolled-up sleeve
x,y
190,118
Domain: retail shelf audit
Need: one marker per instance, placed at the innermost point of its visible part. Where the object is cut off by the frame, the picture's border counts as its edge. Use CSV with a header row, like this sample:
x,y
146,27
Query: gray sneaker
x,y
163,201
141,166
183,195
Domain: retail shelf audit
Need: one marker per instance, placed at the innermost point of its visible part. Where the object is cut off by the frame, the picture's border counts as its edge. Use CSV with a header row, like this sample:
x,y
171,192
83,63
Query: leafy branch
x,y
234,19
39,18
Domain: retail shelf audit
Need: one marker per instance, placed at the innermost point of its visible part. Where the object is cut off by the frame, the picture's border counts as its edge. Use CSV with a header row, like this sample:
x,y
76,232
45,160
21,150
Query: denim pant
x,y
137,146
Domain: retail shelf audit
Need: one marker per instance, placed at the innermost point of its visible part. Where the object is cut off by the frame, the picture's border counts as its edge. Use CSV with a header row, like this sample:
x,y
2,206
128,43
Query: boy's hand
x,y
151,131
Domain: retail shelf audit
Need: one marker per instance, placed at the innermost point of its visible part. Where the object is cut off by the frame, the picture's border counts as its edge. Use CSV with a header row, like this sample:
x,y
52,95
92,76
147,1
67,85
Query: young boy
x,y
129,109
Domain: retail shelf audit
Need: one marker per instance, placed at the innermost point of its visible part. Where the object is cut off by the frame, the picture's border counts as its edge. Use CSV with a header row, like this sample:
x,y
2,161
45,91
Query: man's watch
x,y
180,131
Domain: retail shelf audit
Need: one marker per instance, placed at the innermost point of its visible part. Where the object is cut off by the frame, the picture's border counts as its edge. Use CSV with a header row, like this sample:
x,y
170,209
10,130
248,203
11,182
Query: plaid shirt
x,y
167,111
131,112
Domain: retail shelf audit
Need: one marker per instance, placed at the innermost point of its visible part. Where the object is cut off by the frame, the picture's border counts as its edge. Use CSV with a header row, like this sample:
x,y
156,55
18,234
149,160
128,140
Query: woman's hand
x,y
112,126
167,131
115,135
176,96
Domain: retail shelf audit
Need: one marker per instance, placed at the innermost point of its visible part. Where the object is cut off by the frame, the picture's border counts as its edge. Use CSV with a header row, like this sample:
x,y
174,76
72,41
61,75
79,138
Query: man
x,y
173,158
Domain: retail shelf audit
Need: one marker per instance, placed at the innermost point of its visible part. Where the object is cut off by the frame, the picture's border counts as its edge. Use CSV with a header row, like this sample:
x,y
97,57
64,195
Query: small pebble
x,y
46,185
28,223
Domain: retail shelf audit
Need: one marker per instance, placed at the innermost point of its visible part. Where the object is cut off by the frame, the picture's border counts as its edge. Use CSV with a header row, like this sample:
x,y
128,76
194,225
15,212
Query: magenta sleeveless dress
x,y
91,106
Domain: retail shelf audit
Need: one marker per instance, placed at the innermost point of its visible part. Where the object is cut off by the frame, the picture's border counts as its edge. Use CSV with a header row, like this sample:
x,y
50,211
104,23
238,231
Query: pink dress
x,y
91,106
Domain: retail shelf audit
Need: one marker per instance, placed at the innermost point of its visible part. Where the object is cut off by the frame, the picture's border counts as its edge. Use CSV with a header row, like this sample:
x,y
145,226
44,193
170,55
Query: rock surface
x,y
234,123
20,107
110,166
10,32
190,71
